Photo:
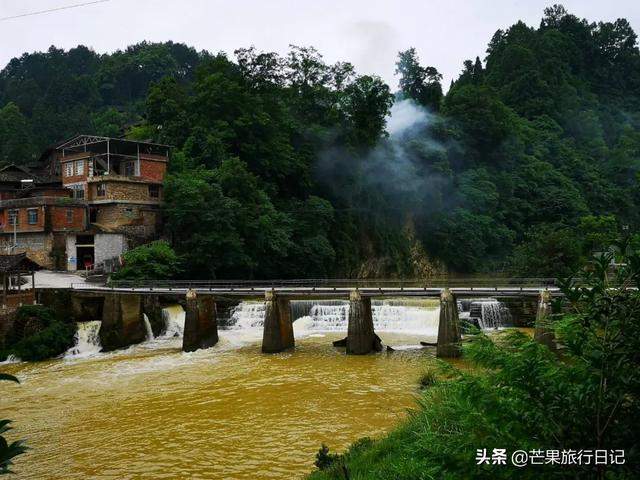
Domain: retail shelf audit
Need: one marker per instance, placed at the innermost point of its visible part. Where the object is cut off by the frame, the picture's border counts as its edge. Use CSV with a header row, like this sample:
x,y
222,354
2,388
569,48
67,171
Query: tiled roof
x,y
15,173
17,262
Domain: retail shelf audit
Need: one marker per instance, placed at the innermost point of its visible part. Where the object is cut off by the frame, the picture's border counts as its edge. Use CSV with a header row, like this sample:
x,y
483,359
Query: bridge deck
x,y
342,292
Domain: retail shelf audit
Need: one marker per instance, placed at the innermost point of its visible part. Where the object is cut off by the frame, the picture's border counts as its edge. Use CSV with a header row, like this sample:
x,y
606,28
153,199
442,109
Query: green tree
x,y
366,103
153,261
16,144
422,84
201,221
547,251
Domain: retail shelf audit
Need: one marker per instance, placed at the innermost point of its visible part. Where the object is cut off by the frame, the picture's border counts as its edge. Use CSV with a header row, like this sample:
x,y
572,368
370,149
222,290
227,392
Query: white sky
x,y
368,33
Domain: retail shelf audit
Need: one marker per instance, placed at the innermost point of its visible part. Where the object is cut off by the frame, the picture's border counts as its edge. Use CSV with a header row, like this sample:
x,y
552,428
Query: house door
x,y
85,252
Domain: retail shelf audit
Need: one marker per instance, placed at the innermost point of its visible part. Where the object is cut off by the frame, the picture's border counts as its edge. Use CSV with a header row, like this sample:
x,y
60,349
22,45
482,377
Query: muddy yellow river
x,y
227,412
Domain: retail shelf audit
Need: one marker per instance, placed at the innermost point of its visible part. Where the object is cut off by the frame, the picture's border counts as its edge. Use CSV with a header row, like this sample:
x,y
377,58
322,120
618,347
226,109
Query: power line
x,y
53,10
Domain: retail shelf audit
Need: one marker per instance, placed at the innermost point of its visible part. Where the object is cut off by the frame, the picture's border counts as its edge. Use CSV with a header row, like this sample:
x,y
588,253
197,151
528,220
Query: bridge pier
x,y
122,323
200,323
449,326
361,339
277,335
543,332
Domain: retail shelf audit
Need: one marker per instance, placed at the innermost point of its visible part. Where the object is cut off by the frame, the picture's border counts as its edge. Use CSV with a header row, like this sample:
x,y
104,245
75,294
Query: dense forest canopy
x,y
286,166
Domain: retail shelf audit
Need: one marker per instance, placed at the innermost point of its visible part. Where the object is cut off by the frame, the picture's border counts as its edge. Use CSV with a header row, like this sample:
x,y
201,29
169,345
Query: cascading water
x,y
390,317
173,317
11,359
247,315
147,327
324,316
87,340
333,315
489,313
494,315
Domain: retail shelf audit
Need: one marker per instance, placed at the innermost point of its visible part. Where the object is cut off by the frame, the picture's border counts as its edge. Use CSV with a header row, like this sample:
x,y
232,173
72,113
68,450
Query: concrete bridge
x,y
122,305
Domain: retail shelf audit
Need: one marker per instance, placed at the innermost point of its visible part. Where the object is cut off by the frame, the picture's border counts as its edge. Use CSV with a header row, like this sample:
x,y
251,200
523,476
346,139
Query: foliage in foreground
x,y
39,334
525,397
8,451
154,261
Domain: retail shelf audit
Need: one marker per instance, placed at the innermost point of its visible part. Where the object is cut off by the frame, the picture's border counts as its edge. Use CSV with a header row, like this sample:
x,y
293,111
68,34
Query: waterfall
x,y
333,316
247,315
11,359
173,317
388,316
147,327
87,340
489,313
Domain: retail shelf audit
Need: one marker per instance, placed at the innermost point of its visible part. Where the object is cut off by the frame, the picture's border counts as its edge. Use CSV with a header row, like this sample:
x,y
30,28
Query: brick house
x,y
93,198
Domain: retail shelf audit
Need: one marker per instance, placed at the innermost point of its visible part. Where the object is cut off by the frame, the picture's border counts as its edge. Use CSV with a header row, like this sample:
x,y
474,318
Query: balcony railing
x,y
38,201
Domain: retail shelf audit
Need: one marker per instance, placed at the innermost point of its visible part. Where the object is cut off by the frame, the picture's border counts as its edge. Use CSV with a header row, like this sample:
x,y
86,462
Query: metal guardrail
x,y
331,283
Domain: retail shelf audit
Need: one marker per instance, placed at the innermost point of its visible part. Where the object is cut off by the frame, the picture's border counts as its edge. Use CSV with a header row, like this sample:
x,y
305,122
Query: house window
x,y
154,191
68,169
32,216
80,167
69,215
14,218
101,190
129,169
78,191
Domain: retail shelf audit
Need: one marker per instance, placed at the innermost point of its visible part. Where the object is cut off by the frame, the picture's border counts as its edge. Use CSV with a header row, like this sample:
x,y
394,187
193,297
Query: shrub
x,y
428,378
8,450
39,334
154,261
324,459
54,340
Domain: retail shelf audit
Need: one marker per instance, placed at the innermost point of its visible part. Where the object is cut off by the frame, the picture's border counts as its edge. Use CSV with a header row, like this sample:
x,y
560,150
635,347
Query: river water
x,y
152,411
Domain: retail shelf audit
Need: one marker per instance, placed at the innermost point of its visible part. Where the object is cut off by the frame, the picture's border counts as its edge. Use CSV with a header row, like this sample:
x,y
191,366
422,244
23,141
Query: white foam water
x,y
147,327
11,359
247,315
493,314
173,317
87,340
333,316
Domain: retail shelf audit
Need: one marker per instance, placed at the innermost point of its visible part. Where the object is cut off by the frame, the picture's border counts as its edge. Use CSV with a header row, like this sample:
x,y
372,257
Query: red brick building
x,y
94,198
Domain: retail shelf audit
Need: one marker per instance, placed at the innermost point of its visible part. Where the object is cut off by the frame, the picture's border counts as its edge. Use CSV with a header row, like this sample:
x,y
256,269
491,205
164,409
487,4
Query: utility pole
x,y
15,231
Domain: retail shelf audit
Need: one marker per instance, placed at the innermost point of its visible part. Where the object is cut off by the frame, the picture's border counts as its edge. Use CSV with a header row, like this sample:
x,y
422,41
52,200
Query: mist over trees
x,y
283,165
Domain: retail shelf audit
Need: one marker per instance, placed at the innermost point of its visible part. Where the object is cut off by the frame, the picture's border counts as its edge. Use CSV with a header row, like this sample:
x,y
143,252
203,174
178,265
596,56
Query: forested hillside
x,y
290,167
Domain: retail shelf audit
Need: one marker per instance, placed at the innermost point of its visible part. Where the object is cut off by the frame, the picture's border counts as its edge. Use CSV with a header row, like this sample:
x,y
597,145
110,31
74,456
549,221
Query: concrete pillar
x,y
543,332
200,323
361,338
449,327
122,323
278,327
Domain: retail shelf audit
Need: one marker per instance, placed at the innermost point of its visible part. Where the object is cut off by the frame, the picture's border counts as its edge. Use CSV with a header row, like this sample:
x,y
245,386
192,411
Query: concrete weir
x,y
278,328
361,338
449,327
543,332
200,322
122,323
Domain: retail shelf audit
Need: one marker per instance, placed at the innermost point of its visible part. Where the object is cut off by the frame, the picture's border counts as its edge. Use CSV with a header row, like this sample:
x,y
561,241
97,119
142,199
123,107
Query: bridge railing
x,y
330,283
